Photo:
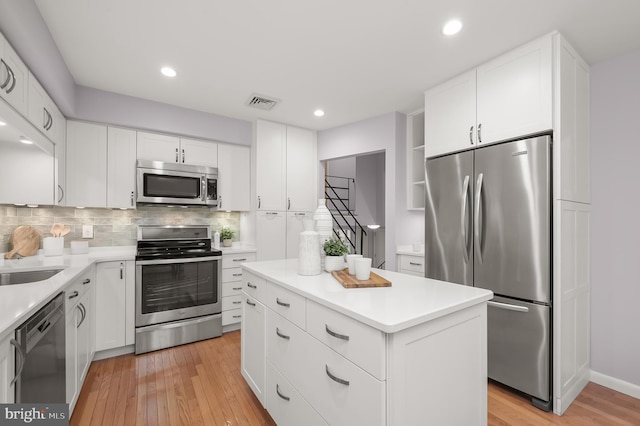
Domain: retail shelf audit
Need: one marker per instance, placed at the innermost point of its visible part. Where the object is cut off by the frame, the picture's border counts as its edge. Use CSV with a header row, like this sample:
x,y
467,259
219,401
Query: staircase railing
x,y
338,208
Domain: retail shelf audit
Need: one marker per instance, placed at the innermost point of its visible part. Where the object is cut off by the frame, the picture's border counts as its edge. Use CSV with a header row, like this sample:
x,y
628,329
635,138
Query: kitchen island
x,y
315,353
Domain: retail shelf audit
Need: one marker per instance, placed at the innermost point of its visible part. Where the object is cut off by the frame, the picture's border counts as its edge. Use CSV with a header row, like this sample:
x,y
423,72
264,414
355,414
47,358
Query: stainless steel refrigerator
x,y
488,224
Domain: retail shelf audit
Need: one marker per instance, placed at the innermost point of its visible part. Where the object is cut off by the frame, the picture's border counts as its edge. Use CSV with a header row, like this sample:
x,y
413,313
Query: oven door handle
x,y
177,260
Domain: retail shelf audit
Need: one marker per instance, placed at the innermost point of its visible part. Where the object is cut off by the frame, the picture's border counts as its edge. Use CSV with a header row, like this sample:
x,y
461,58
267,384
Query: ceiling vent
x,y
261,102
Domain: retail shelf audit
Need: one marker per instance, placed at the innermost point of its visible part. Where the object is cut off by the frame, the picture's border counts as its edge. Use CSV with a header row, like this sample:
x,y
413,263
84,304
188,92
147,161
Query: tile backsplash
x,y
110,227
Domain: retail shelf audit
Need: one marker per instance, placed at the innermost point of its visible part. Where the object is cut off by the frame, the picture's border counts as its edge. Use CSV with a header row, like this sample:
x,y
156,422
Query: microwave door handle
x,y
203,193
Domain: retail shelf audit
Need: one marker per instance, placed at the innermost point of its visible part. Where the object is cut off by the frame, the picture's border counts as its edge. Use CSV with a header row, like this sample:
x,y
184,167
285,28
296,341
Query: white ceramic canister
x,y
308,250
324,225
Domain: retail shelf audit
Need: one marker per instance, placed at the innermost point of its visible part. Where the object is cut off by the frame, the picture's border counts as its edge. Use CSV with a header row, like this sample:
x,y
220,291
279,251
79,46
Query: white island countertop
x,y
19,301
408,302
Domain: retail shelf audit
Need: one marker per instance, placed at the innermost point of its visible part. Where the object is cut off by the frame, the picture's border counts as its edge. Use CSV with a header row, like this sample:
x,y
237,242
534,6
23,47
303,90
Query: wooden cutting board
x,y
350,281
25,241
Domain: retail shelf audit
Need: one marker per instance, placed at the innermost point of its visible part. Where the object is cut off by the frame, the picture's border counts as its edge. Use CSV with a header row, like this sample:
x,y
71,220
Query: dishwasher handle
x,y
23,358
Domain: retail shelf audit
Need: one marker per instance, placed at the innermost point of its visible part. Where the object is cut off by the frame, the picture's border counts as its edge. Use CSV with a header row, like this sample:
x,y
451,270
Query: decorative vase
x,y
308,252
333,263
227,243
324,225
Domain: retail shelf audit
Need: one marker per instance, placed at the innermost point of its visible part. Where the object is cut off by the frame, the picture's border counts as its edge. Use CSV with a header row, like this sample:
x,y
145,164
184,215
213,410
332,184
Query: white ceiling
x,y
353,58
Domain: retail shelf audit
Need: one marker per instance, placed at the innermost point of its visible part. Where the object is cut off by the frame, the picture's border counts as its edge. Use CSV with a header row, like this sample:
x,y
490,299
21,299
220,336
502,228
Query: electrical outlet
x,y
87,231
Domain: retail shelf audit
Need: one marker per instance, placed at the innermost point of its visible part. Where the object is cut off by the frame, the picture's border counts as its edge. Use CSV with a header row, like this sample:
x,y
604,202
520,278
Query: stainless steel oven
x,y
178,287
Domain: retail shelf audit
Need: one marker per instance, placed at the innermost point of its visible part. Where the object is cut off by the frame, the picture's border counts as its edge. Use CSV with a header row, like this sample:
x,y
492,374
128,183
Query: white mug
x,y
363,268
351,262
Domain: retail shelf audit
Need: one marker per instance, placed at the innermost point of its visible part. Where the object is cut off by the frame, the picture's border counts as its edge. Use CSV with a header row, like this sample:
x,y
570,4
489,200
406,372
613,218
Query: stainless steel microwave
x,y
176,184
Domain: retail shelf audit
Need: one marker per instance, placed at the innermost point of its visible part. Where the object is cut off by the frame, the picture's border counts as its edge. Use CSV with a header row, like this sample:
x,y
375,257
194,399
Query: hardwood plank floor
x,y
201,384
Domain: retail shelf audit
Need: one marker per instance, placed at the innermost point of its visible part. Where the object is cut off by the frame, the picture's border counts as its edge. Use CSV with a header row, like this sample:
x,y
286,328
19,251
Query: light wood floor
x,y
201,384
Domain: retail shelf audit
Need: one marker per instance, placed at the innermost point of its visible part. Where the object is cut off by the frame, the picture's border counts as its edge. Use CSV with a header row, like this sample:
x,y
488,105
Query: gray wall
x,y
615,225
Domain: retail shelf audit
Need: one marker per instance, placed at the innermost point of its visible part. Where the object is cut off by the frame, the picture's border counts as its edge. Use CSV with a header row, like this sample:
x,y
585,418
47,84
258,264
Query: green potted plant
x,y
226,235
334,250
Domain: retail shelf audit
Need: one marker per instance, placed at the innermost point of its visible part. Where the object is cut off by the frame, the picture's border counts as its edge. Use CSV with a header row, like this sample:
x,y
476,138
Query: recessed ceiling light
x,y
25,140
168,71
452,27
2,123
318,113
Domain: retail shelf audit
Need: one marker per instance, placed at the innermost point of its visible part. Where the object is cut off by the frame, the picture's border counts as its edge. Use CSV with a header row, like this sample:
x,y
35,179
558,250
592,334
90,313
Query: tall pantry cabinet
x,y
286,181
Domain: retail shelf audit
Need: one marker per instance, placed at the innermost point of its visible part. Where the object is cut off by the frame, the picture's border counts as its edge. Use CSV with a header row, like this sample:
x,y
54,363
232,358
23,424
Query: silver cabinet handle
x,y
237,302
476,218
288,203
236,288
183,155
463,211
22,359
236,275
471,135
334,378
259,201
13,78
83,314
46,117
272,213
132,198
87,281
61,193
281,303
334,334
73,295
252,285
286,398
284,336
6,82
219,201
480,133
237,316
508,306
121,270
415,264
240,260
250,303
299,214
176,155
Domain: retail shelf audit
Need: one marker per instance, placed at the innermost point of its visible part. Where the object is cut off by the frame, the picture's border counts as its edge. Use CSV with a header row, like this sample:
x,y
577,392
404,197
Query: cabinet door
x,y
301,170
71,343
271,186
294,228
450,116
253,350
234,177
86,164
515,93
16,74
271,228
110,305
157,147
121,168
7,370
85,334
198,153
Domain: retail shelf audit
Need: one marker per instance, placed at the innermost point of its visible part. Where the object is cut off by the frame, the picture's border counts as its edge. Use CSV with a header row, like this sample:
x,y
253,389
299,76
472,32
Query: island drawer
x,y
285,405
231,275
236,259
254,286
360,343
286,348
290,305
342,392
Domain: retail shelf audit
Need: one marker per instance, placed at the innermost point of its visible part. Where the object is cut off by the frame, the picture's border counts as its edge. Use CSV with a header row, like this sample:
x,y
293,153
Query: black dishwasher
x,y
40,356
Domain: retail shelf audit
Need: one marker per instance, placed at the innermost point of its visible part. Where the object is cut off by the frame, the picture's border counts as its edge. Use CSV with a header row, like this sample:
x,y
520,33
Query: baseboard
x,y
616,384
109,353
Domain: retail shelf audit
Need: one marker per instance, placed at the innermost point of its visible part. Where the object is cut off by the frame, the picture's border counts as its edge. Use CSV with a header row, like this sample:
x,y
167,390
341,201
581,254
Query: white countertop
x,y
408,250
238,248
19,301
409,301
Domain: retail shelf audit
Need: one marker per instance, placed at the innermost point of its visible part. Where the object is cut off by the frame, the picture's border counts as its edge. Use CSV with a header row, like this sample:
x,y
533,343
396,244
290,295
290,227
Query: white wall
x,y
615,230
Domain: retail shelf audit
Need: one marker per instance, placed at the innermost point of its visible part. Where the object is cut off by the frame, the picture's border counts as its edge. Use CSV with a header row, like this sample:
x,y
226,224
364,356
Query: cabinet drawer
x,y
363,345
287,303
286,348
285,405
236,259
254,286
232,316
343,393
231,302
231,288
231,275
77,288
412,263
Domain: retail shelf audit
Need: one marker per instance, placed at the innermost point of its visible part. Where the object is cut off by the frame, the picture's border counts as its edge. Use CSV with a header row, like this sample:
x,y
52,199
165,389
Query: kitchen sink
x,y
9,278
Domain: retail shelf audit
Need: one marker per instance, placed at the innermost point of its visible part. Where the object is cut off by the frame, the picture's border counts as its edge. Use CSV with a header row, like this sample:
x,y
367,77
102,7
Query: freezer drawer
x,y
519,336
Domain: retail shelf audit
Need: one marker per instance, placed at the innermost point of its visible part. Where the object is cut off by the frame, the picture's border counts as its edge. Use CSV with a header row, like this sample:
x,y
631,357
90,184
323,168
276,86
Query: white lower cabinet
x,y
410,264
253,345
7,370
115,307
232,287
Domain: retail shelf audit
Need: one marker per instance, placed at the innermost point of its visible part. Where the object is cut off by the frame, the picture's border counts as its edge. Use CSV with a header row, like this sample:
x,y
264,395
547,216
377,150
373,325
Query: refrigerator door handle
x,y
508,306
463,224
476,219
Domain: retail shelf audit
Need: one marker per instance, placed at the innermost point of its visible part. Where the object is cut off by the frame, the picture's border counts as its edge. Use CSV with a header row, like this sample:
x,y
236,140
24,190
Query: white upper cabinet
x,y
450,116
234,177
121,168
286,167
13,78
44,114
172,149
86,164
505,98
